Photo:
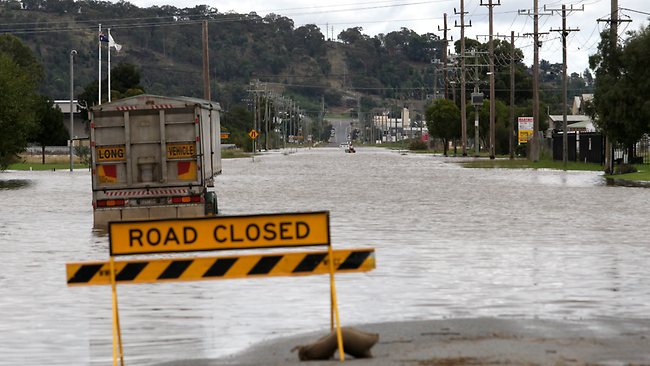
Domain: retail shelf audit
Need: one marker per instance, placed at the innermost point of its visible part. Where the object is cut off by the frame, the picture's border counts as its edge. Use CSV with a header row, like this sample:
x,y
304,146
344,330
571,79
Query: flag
x,y
102,37
111,43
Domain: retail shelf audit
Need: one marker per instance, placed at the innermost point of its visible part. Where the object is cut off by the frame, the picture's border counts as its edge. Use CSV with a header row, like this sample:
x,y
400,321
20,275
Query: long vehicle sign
x,y
219,233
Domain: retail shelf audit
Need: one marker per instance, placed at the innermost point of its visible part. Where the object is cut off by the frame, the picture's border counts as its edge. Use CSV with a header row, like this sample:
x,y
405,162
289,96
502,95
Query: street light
x,y
72,53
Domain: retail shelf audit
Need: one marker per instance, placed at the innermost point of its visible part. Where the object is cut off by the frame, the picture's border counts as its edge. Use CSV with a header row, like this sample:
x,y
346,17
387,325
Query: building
x,y
577,123
81,128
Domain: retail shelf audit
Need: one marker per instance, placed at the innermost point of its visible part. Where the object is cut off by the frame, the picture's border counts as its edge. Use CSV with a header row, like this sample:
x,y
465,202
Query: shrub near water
x,y
624,169
418,145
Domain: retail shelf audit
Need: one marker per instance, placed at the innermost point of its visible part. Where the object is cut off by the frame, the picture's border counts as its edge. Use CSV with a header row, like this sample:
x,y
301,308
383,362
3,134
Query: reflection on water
x,y
627,183
450,242
14,183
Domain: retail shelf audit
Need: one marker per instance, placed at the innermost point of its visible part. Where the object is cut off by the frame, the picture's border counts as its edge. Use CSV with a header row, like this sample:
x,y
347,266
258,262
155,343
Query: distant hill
x,y
386,71
165,44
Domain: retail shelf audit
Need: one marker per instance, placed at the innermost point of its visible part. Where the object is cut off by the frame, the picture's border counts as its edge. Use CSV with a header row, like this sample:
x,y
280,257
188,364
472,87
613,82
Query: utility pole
x,y
513,128
267,114
564,31
444,56
512,96
491,6
463,97
535,142
359,111
206,63
477,141
72,53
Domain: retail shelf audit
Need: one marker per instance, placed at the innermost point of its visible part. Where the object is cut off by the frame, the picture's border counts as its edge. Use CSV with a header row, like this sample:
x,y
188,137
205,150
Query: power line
x,y
186,19
635,11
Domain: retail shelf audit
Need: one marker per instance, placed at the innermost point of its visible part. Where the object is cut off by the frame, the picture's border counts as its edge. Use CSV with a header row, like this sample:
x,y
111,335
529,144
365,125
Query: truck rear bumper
x,y
101,217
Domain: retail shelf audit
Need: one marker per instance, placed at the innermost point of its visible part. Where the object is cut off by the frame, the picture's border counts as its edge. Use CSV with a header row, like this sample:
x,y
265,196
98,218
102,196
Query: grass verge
x,y
46,166
643,174
527,164
234,153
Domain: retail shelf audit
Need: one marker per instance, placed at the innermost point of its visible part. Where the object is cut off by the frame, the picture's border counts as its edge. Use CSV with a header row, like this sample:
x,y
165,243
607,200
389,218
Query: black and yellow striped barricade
x,y
220,233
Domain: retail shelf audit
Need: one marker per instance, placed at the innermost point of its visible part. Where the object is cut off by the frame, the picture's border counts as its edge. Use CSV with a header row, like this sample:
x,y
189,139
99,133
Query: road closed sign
x,y
219,233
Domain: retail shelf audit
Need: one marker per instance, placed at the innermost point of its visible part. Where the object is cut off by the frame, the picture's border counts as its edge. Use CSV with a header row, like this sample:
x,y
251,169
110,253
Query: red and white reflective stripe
x,y
149,192
135,107
127,108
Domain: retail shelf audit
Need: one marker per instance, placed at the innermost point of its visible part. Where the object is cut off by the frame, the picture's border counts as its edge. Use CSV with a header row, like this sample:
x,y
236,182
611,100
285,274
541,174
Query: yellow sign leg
x,y
339,335
117,333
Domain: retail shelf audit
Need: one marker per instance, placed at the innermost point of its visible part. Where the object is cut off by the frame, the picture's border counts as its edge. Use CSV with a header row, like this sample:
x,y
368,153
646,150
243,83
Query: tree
x,y
125,82
443,121
238,121
50,130
621,106
125,76
352,35
310,39
19,75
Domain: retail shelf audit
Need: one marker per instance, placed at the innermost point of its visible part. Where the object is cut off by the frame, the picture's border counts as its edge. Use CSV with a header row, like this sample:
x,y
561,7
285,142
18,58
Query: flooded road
x,y
450,243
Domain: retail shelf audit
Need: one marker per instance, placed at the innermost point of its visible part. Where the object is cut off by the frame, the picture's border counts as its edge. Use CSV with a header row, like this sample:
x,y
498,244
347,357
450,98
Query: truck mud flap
x,y
211,206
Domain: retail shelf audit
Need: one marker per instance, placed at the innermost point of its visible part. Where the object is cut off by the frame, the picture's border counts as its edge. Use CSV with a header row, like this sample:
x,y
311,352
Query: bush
x,y
418,145
624,169
521,150
83,152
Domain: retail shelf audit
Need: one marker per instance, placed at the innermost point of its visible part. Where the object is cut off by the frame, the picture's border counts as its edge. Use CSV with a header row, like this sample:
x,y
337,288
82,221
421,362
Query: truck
x,y
154,157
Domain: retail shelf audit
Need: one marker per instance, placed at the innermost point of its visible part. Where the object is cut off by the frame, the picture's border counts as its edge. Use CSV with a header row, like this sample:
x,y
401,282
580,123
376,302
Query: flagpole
x,y
109,66
100,63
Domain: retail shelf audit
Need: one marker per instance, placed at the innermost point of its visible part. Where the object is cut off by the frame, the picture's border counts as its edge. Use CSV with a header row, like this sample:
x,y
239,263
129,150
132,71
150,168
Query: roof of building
x,y
571,118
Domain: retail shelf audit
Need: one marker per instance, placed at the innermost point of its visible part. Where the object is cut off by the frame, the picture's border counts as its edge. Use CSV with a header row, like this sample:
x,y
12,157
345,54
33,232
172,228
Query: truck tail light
x,y
186,199
110,203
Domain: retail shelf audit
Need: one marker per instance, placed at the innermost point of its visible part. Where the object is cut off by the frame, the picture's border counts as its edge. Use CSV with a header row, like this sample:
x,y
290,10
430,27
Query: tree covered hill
x,y
164,43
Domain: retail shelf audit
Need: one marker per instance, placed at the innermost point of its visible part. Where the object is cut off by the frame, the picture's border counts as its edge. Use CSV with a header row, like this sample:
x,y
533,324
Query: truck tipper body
x,y
154,157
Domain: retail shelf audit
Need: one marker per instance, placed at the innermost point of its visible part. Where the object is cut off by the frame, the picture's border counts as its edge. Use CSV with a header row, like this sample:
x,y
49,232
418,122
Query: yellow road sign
x,y
217,268
110,153
524,136
181,150
219,233
253,134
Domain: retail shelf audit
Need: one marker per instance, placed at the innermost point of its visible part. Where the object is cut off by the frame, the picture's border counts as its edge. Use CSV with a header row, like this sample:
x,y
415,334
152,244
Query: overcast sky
x,y
383,16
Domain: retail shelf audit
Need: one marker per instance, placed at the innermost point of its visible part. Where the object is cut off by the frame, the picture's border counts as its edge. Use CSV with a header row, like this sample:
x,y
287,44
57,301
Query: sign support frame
x,y
335,321
117,333
334,304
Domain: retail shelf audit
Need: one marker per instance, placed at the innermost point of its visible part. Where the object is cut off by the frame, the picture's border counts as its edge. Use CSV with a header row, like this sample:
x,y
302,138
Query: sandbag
x,y
322,349
356,343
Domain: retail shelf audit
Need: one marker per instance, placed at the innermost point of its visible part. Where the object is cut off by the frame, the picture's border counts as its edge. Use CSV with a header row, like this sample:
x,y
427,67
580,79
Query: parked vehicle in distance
x,y
154,157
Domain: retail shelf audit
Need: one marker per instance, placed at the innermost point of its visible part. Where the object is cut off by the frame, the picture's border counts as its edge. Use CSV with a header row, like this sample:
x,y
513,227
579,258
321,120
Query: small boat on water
x,y
348,147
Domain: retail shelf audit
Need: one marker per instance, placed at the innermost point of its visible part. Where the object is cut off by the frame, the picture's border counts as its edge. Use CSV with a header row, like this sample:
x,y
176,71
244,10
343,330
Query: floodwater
x,y
450,243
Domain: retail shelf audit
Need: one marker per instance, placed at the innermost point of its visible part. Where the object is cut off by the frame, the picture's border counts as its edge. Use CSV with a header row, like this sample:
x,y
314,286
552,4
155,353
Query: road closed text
x,y
219,233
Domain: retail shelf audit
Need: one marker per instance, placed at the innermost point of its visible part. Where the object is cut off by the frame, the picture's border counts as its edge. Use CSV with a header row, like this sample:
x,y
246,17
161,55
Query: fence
x,y
586,147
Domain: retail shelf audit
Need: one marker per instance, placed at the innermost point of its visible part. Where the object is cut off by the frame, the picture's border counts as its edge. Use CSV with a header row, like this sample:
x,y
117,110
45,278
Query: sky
x,y
384,16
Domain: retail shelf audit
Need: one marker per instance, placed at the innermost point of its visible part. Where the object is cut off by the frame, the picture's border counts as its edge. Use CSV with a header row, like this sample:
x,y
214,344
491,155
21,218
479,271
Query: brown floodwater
x,y
450,243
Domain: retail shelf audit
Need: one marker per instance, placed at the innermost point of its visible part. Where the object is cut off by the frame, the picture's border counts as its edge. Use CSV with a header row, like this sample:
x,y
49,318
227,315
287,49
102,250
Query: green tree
x,y
238,121
50,130
19,75
621,105
125,82
443,121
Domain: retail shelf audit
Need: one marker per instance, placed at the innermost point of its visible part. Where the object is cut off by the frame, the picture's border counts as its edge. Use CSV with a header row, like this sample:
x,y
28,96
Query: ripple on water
x,y
450,242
